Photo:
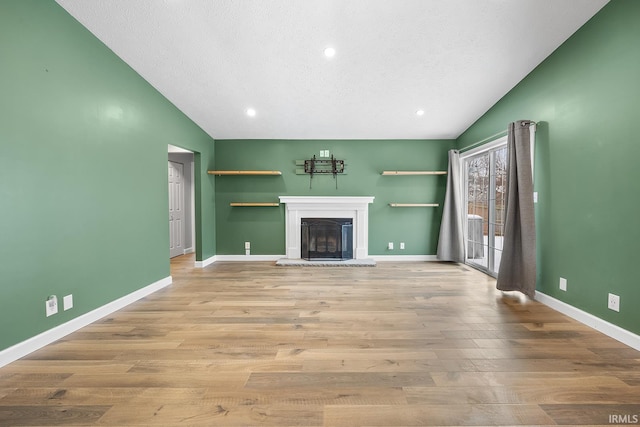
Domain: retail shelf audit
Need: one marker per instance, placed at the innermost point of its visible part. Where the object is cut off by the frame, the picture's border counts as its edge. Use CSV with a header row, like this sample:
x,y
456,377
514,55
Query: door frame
x,y
497,143
194,189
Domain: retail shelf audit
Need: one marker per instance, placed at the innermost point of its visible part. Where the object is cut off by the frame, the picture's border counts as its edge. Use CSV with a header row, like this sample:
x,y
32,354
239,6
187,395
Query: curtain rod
x,y
489,138
475,144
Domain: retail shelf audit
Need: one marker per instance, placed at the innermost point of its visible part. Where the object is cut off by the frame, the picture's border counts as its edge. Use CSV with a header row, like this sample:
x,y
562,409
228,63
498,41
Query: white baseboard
x,y
404,257
208,261
609,329
249,257
32,344
278,257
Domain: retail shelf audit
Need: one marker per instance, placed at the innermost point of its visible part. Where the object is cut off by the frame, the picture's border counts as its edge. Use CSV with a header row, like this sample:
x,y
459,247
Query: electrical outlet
x,y
563,284
401,245
247,245
390,246
614,302
67,302
535,197
51,305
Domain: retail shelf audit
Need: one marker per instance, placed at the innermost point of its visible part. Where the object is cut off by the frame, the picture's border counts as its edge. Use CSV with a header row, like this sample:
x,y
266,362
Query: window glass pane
x,y
477,209
500,165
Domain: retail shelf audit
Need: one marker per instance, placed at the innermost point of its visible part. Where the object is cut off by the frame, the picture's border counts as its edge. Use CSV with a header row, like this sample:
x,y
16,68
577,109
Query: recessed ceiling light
x,y
420,113
251,112
329,52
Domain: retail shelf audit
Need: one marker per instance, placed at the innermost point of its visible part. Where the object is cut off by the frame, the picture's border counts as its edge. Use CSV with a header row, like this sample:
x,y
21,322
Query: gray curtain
x,y
451,241
517,270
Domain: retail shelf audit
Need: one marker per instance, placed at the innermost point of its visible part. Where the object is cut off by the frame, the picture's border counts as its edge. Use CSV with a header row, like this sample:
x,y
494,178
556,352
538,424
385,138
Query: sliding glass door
x,y
485,182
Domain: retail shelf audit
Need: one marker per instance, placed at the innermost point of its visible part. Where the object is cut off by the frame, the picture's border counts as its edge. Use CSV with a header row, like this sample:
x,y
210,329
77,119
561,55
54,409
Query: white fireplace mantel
x,y
356,208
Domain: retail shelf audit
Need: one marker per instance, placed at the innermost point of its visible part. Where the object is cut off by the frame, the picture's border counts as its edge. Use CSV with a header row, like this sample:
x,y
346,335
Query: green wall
x,y
586,97
366,159
83,183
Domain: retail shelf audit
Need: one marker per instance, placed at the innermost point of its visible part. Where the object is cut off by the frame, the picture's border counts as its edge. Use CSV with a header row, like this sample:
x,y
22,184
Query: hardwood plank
x,y
354,353
213,414
38,379
432,415
36,415
617,353
83,396
215,366
523,394
168,378
388,365
246,397
549,379
302,380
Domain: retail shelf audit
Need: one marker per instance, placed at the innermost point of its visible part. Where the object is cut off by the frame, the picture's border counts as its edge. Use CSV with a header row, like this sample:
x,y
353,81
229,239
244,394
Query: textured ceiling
x,y
215,58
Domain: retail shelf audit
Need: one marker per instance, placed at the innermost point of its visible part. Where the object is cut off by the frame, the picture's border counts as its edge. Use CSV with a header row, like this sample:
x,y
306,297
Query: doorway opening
x,y
181,179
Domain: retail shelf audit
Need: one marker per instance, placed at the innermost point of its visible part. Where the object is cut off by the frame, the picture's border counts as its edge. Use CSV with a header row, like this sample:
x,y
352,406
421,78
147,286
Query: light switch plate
x,y
67,302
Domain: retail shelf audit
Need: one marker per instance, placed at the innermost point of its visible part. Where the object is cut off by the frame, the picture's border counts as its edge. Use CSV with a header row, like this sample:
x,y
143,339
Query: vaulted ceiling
x,y
216,59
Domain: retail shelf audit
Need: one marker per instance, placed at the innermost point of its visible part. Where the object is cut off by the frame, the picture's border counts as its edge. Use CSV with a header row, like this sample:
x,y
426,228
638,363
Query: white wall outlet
x,y
51,305
535,197
401,245
247,245
614,302
563,284
67,302
390,246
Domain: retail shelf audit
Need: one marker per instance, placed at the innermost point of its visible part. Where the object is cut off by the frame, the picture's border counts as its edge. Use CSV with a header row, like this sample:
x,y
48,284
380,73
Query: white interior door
x,y
176,209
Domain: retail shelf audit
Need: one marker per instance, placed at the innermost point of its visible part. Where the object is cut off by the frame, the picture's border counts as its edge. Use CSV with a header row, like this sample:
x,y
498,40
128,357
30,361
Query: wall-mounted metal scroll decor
x,y
316,166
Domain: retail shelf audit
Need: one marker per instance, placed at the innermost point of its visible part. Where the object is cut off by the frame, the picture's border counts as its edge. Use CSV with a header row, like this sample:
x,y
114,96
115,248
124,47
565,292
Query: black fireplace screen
x,y
324,238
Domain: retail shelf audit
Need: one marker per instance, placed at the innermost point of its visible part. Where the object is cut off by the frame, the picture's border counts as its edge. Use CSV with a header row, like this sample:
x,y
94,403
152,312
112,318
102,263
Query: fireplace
x,y
355,208
326,238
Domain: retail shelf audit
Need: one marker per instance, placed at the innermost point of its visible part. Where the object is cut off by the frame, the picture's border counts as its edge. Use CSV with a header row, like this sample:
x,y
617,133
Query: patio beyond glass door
x,y
485,183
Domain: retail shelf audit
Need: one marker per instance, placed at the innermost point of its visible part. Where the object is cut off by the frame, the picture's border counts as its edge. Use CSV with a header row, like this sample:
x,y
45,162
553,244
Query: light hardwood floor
x,y
401,344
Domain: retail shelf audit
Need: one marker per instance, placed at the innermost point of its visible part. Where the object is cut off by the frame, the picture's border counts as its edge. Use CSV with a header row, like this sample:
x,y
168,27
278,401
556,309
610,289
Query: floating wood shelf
x,y
253,204
414,205
414,172
245,172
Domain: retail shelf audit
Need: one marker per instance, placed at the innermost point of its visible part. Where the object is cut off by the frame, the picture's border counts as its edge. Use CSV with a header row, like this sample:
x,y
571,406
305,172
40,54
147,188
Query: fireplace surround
x,y
355,208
